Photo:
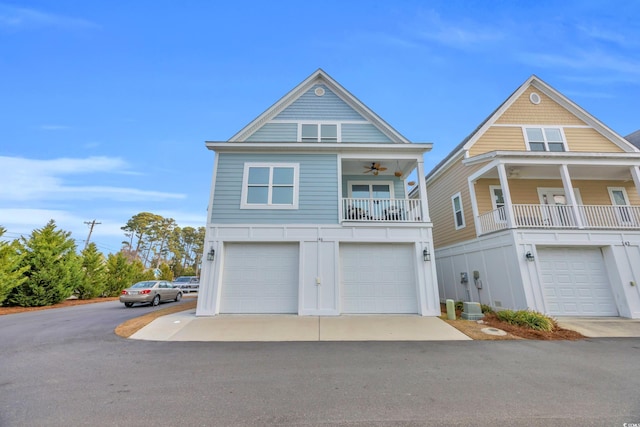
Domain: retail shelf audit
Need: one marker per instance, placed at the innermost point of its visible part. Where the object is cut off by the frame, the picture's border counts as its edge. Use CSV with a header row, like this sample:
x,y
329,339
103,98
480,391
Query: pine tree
x,y
53,268
11,274
93,273
120,274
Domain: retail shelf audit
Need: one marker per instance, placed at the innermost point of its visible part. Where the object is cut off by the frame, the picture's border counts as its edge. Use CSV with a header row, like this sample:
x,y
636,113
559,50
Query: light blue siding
x,y
276,132
312,107
398,184
365,132
318,194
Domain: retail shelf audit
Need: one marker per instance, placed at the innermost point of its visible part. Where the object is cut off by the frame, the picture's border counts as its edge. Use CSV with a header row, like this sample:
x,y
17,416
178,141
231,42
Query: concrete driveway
x,y
602,327
185,326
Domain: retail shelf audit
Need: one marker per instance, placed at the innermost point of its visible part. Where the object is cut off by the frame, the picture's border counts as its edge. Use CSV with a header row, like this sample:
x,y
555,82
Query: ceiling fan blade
x,y
375,166
368,170
382,169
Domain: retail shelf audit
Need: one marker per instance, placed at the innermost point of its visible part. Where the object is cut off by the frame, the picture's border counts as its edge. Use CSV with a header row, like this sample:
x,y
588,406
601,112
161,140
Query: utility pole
x,y
91,225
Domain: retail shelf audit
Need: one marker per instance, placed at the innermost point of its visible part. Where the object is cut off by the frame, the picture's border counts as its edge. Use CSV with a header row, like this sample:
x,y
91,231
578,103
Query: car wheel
x,y
178,297
156,300
128,304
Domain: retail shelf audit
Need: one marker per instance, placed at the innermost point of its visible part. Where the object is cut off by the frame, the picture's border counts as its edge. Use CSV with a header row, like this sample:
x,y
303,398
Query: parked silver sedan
x,y
150,291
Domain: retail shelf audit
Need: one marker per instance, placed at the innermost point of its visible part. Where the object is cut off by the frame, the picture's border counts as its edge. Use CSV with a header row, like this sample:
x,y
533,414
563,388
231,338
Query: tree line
x,y
46,268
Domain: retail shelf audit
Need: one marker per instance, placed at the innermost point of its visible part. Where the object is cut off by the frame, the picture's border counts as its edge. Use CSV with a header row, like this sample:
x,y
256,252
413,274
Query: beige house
x,y
539,208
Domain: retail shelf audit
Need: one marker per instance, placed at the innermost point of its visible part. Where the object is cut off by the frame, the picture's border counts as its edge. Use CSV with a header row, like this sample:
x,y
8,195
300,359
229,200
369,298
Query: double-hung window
x,y
545,139
270,186
319,132
458,213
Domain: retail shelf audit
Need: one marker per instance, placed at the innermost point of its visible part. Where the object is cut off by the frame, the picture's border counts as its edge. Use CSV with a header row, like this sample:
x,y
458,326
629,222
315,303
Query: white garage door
x,y
575,282
378,278
260,278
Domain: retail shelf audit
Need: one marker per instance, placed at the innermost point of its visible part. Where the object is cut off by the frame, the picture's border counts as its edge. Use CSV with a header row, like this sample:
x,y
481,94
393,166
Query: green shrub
x,y
459,305
486,308
527,318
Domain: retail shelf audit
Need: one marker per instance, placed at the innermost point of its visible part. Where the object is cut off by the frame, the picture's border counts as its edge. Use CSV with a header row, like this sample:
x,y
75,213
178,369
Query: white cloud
x,y
17,18
38,180
462,35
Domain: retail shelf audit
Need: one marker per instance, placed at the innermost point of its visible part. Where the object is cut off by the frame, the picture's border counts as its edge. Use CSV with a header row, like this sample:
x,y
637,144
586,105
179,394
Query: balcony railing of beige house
x,y
562,216
381,210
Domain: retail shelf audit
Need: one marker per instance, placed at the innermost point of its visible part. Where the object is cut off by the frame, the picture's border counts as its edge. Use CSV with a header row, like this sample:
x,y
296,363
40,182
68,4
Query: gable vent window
x,y
545,139
319,133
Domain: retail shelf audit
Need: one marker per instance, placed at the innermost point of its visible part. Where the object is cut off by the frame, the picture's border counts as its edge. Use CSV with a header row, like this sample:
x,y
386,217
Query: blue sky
x,y
105,105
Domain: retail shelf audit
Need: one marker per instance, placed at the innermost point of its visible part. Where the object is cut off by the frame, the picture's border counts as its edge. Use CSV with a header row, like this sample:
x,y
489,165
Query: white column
x,y
635,174
570,195
506,195
423,191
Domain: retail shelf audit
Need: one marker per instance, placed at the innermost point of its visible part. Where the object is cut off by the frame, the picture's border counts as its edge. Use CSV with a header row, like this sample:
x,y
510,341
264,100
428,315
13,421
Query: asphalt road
x,y
66,367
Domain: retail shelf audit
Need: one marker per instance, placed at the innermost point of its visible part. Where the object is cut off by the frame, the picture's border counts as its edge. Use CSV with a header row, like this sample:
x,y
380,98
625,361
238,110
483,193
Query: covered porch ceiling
x,y
363,166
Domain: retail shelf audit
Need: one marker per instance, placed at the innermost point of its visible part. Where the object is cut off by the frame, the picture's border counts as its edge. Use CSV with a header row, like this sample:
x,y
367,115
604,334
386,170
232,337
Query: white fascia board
x,y
454,158
582,114
547,158
419,148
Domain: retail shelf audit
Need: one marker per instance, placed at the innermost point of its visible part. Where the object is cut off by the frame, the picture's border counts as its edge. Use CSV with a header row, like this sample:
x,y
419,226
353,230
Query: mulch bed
x,y
65,303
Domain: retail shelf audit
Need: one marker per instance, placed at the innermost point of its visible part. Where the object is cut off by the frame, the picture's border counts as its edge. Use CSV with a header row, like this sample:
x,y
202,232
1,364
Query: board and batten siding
x,y
399,192
547,112
589,140
275,132
439,193
318,193
363,132
309,106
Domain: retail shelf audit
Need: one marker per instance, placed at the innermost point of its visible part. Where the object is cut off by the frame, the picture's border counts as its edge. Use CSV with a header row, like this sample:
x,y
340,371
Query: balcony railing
x,y
562,216
381,210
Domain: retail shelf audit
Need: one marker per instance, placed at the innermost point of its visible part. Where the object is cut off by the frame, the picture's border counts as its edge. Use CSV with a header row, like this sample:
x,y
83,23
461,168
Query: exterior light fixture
x,y
211,255
426,255
529,257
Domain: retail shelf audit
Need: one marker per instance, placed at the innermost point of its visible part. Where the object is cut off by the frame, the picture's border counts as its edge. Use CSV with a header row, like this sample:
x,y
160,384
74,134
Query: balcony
x,y
594,217
381,210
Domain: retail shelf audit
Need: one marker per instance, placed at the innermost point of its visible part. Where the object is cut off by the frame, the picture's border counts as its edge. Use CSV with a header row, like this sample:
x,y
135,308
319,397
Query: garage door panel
x,y
260,278
378,278
575,283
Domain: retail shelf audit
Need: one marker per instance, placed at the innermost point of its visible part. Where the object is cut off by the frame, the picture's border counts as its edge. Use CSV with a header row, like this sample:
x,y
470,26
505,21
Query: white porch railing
x,y
562,216
381,210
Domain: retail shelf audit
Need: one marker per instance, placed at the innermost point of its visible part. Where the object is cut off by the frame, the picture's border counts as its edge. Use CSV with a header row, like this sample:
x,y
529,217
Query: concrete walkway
x,y
602,327
185,326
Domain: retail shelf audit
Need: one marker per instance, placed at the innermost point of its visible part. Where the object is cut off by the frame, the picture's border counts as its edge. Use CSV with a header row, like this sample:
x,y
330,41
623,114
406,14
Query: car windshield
x,y
182,280
144,285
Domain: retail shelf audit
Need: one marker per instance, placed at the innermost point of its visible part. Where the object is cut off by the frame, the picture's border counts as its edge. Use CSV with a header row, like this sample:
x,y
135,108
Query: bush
x,y
527,318
486,308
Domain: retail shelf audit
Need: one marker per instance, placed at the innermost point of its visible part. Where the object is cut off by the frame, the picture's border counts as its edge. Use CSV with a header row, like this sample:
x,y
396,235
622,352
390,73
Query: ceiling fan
x,y
375,168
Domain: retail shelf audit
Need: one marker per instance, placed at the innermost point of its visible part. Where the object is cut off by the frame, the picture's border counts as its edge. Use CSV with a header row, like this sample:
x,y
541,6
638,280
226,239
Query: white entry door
x,y
575,282
260,278
378,278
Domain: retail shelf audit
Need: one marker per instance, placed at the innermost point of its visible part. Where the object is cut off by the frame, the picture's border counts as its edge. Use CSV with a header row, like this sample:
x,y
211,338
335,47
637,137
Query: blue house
x,y
310,213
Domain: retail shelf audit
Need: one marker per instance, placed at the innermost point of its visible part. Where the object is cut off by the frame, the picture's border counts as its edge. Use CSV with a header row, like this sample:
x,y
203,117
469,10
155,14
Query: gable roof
x,y
319,77
552,93
634,138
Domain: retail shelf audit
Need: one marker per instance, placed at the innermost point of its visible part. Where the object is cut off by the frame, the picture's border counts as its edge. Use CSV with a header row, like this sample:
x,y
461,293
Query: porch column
x,y
422,185
635,174
506,195
571,196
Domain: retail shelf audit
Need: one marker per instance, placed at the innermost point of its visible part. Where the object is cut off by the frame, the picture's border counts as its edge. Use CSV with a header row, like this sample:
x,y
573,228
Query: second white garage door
x,y
260,278
575,282
378,278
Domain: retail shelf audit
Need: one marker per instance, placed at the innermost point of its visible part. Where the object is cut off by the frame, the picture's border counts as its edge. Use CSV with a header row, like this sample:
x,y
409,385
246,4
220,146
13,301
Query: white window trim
x,y
544,135
625,216
245,185
318,123
497,218
453,206
624,193
371,182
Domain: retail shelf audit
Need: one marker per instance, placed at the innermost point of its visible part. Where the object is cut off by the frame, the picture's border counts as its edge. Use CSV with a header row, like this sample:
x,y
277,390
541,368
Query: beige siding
x,y
525,191
589,140
499,138
439,193
547,112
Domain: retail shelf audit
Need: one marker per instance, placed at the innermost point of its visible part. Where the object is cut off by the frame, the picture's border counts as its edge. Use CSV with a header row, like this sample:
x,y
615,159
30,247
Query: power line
x,y
91,225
